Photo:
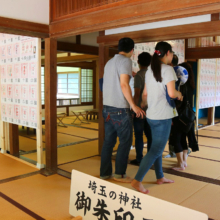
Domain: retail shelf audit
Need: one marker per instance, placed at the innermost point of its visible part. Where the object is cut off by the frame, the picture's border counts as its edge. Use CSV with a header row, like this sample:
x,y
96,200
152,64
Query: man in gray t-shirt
x,y
117,101
140,124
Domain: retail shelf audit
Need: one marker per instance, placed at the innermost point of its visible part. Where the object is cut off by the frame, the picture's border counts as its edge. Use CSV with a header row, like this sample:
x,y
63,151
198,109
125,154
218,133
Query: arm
x,y
124,82
144,97
173,93
137,93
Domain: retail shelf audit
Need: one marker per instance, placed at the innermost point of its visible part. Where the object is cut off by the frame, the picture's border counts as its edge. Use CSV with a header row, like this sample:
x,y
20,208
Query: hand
x,y
179,96
133,74
143,105
139,112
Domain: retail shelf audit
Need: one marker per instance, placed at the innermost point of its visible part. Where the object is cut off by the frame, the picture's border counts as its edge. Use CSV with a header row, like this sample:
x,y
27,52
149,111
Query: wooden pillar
x,y
50,105
211,111
94,84
103,58
14,140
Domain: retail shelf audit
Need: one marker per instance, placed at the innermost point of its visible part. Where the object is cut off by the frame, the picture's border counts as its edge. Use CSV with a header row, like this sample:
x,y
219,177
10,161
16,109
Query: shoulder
x,y
165,67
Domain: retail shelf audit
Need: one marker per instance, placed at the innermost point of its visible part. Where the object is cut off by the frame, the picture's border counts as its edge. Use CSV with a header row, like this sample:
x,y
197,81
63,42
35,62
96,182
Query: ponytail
x,y
161,50
156,67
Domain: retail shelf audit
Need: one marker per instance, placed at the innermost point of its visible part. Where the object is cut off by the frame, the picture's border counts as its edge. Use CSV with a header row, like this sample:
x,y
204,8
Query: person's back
x,y
117,100
140,124
111,81
158,107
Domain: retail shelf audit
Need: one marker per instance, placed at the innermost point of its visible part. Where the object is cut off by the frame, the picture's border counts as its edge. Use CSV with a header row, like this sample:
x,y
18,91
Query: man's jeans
x,y
140,126
160,130
118,123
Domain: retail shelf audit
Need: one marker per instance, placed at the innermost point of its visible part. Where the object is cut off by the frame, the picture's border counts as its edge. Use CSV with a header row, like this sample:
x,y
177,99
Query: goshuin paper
x,y
19,77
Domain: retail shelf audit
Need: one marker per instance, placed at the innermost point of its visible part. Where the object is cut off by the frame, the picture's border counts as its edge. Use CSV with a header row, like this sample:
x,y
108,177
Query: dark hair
x,y
144,59
175,60
190,82
162,48
125,45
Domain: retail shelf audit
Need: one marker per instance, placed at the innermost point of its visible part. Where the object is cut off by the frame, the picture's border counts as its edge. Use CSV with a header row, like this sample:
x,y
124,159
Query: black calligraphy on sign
x,y
82,202
136,204
123,198
112,195
92,186
126,215
101,212
102,190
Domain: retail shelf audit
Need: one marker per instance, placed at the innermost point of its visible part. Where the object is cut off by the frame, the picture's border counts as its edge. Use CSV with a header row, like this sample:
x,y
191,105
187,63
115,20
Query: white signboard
x,y
93,198
19,66
178,47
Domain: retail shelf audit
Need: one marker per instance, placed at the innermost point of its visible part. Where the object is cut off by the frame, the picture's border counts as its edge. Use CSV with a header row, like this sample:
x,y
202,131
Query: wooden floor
x,y
27,194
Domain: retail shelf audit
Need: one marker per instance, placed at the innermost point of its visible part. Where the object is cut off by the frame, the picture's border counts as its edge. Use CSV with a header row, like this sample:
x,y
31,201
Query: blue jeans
x,y
140,126
118,123
160,130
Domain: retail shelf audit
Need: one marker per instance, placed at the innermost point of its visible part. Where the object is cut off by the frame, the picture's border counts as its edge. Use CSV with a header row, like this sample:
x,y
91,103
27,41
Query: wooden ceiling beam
x,y
203,53
132,13
204,29
73,59
19,27
79,48
83,65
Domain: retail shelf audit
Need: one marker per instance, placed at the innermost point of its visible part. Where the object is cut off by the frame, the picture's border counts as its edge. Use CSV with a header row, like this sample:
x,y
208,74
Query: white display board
x,y
93,198
217,101
20,78
178,47
207,83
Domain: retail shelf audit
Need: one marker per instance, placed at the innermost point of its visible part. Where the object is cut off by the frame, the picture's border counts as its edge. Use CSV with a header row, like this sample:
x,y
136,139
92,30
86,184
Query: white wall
x,y
160,24
26,10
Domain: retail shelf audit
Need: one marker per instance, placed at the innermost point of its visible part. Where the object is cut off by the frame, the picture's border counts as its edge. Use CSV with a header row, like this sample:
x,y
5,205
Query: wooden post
x,y
14,140
50,105
211,111
2,136
39,113
103,58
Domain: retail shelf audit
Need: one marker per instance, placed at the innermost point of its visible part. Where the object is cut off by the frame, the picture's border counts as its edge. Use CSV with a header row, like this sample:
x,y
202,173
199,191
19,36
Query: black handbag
x,y
186,117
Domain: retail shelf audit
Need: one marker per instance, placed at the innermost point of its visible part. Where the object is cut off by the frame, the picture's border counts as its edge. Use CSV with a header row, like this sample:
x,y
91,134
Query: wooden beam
x,y
79,48
50,105
26,28
78,39
131,12
103,58
83,65
215,17
203,52
203,29
14,140
74,59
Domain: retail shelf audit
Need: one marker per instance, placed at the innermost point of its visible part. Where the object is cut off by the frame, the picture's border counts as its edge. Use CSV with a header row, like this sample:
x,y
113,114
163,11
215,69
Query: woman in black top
x,y
179,137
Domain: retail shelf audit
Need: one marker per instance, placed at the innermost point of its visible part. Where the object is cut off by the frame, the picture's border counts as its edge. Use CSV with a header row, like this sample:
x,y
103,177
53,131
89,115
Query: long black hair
x,y
161,50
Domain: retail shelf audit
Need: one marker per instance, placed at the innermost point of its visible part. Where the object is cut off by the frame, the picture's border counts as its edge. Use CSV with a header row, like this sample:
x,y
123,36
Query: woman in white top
x,y
159,113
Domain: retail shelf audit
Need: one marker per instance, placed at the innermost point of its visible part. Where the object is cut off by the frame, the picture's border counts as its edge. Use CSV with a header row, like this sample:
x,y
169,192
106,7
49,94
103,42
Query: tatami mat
x,y
11,167
90,124
205,132
205,200
29,144
15,213
72,152
209,153
182,186
209,142
48,197
81,132
197,166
